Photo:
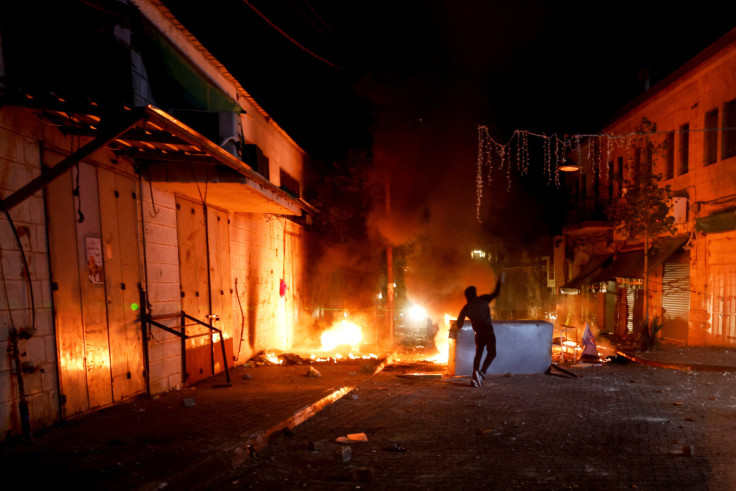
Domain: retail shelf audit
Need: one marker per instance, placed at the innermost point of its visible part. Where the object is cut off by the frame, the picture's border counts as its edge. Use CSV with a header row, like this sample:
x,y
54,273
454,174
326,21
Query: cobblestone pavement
x,y
616,426
178,439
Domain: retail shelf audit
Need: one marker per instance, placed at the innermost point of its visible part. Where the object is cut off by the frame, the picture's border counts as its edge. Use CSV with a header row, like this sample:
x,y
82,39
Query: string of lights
x,y
556,150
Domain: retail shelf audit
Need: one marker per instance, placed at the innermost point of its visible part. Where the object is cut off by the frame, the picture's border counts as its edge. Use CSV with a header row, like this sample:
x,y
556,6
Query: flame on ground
x,y
272,358
341,333
441,341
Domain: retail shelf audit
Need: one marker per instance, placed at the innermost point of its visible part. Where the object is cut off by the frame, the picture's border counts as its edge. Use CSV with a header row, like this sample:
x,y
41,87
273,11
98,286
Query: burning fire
x,y
272,358
341,333
441,342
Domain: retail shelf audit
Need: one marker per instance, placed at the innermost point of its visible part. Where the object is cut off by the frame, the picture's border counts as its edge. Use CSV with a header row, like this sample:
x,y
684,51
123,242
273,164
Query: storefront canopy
x,y
594,266
720,222
179,157
630,264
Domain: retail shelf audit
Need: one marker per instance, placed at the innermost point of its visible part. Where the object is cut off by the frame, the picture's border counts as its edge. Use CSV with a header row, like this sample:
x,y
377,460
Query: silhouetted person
x,y
478,311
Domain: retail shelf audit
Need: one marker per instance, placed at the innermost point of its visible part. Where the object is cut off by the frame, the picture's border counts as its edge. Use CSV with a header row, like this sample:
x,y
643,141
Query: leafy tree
x,y
642,212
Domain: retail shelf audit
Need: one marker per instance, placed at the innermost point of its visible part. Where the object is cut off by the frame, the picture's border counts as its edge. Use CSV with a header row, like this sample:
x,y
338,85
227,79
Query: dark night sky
x,y
416,78
539,65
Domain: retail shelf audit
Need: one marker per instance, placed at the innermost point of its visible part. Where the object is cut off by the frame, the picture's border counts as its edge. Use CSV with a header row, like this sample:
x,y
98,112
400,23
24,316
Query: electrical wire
x,y
242,320
293,41
155,212
27,271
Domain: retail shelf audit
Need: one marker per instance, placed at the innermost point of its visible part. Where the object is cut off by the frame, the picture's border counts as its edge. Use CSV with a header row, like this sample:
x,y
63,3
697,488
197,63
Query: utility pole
x,y
389,340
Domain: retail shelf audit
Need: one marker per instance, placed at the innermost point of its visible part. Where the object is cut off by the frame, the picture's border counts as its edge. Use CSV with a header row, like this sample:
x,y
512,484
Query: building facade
x,y
153,229
689,118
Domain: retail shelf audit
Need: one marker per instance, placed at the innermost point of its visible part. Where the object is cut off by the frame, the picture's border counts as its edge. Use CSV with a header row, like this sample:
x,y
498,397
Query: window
x,y
684,149
728,139
610,179
710,145
620,174
289,183
669,155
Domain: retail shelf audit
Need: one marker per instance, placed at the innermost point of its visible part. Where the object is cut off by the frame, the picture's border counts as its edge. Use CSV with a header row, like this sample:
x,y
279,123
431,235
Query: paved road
x,y
614,427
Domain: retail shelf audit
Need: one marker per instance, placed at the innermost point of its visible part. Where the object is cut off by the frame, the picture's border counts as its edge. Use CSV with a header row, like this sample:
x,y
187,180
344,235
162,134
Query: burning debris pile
x,y
340,342
272,357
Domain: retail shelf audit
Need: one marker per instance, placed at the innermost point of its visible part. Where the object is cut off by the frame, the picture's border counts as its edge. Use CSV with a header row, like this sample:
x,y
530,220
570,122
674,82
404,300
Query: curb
x,y
701,367
228,459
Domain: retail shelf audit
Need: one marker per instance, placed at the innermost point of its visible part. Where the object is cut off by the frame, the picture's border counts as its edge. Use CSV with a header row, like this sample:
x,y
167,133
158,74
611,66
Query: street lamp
x,y
569,166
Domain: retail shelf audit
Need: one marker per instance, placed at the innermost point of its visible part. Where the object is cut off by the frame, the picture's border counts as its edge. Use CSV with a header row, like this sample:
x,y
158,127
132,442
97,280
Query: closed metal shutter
x,y
630,300
676,299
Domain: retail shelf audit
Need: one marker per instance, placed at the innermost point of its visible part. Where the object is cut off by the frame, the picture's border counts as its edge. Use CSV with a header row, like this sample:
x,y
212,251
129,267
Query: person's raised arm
x,y
490,296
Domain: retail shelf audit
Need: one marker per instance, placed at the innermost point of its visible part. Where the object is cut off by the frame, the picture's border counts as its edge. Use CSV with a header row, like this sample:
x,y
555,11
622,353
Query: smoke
x,y
424,154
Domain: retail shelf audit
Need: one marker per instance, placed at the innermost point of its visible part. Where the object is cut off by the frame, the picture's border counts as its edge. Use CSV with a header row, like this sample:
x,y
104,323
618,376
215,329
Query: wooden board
x,y
67,297
220,281
193,272
118,210
94,302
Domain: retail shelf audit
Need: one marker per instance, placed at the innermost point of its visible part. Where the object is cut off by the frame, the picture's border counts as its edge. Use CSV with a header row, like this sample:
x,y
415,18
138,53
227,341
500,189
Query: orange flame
x,y
274,359
341,333
441,341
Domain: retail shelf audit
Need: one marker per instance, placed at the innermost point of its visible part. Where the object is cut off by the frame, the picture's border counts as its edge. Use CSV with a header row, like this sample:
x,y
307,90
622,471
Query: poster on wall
x,y
93,253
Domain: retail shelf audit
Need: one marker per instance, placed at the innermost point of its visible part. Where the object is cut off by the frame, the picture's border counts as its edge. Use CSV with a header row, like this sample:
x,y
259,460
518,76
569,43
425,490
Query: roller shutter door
x,y
676,299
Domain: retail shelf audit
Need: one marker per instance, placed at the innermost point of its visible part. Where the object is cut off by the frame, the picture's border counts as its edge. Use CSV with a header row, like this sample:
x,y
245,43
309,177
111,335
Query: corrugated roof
x,y
630,264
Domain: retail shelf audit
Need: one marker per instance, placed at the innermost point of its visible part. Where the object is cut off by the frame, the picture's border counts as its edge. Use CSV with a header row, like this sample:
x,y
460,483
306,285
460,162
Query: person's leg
x,y
490,345
476,380
479,345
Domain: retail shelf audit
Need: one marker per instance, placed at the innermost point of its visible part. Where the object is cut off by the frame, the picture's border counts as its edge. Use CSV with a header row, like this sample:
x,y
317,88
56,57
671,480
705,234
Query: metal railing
x,y
182,333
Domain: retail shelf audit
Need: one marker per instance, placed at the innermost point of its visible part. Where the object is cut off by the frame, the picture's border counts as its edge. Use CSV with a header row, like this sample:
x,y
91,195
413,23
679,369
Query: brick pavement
x,y
147,442
615,427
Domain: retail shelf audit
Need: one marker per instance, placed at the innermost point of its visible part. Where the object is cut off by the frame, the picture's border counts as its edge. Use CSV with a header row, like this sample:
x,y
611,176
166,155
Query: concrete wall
x,y
262,253
19,163
162,285
263,250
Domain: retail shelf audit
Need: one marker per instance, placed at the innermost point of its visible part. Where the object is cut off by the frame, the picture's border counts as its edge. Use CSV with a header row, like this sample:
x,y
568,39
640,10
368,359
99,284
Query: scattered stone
x,y
247,376
354,396
188,402
685,451
343,454
316,446
313,372
396,447
293,359
362,474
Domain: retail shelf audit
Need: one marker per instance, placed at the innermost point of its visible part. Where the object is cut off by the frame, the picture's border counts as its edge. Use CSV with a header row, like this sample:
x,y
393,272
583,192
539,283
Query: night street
x,y
319,244
614,427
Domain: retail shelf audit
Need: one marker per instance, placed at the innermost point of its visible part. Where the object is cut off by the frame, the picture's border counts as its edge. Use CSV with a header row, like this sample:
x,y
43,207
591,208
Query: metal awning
x,y
630,264
171,153
594,265
720,222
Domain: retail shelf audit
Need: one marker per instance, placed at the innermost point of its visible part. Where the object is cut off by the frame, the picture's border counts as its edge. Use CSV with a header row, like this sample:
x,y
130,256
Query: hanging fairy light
x,y
497,155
